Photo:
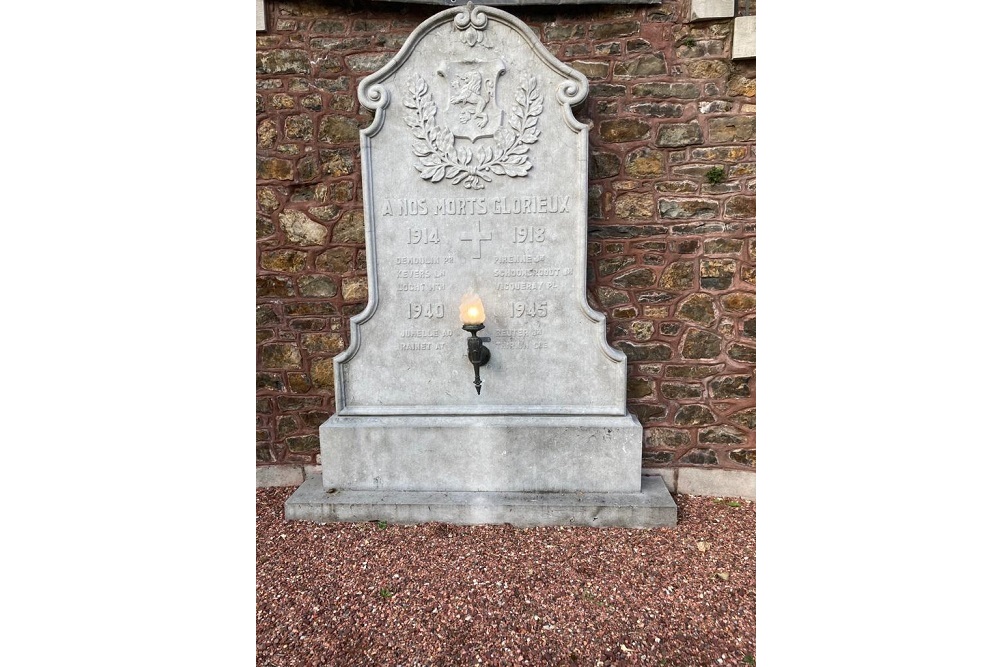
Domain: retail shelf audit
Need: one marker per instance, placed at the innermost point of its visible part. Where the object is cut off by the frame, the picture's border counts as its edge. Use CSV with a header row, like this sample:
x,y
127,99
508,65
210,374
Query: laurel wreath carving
x,y
473,166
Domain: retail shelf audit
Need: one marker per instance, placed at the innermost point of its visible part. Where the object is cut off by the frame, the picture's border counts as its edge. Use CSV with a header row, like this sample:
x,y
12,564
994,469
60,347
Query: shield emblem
x,y
471,109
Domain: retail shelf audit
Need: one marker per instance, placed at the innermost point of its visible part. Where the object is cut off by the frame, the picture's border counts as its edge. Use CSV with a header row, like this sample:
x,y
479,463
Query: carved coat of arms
x,y
472,111
472,114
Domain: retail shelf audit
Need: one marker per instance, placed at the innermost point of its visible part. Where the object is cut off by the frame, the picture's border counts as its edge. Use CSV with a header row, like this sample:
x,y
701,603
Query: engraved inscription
x,y
475,165
525,234
442,206
528,286
423,235
529,309
426,310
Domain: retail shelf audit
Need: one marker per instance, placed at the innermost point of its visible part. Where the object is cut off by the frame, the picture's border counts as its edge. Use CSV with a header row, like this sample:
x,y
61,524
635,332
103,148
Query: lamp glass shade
x,y
472,309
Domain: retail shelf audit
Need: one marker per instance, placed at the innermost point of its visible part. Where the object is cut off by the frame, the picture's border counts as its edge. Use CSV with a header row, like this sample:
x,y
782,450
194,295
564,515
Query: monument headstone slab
x,y
474,175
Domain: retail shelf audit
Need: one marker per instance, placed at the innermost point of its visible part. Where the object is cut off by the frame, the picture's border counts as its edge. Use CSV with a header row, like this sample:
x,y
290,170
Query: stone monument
x,y
478,386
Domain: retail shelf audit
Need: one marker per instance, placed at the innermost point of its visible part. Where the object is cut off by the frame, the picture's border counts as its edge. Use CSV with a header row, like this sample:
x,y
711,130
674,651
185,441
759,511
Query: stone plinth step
x,y
652,507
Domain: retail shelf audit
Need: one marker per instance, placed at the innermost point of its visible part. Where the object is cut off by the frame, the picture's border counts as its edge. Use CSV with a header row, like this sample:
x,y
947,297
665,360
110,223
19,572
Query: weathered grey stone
x,y
650,64
288,403
694,415
745,418
657,109
338,130
590,69
731,129
606,267
739,85
611,297
299,229
273,286
745,457
646,351
700,344
611,30
640,277
335,260
264,227
720,153
700,457
286,425
317,286
739,302
321,373
741,207
267,134
267,201
280,356
323,342
291,261
642,329
269,382
676,390
367,62
624,129
604,165
299,127
269,168
718,483
723,246
412,453
720,435
689,208
283,61
744,353
678,276
303,443
644,163
355,289
692,371
266,315
307,168
730,386
662,90
717,274
635,205
679,134
336,162
350,228
652,507
698,308
310,308
646,413
658,437
639,388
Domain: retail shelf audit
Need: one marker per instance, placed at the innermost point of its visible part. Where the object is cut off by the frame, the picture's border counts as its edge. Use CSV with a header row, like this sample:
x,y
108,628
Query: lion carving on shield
x,y
473,94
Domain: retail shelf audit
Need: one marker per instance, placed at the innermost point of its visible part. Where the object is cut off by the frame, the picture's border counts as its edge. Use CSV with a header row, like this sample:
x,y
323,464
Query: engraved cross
x,y
467,236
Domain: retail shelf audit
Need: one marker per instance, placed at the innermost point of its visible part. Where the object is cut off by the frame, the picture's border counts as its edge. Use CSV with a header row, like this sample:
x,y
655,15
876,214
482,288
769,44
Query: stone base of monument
x,y
526,470
651,507
535,453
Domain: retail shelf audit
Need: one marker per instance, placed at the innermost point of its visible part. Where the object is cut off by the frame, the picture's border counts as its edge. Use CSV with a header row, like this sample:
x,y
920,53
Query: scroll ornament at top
x,y
471,23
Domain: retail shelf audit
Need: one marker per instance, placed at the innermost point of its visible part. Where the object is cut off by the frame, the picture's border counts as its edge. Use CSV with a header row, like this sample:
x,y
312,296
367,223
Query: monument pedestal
x,y
651,507
493,453
525,470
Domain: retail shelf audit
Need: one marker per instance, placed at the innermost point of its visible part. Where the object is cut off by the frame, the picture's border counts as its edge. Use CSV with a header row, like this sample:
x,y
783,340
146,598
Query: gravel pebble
x,y
438,594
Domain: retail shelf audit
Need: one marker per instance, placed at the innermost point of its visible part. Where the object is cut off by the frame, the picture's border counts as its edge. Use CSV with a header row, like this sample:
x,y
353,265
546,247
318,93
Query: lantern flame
x,y
472,309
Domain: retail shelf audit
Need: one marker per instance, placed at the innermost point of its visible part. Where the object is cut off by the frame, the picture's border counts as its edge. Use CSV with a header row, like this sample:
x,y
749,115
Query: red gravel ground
x,y
436,594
